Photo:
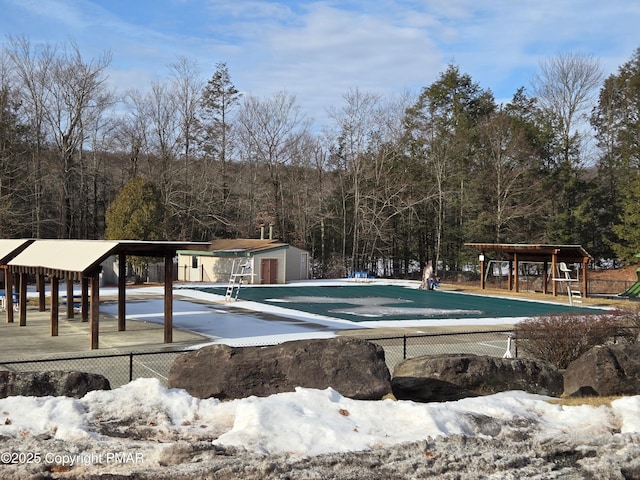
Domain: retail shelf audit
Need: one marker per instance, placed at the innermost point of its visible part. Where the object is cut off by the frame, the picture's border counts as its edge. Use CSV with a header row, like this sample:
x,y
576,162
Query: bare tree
x,y
186,86
565,87
32,67
98,175
355,123
78,95
506,165
133,132
270,133
65,91
186,89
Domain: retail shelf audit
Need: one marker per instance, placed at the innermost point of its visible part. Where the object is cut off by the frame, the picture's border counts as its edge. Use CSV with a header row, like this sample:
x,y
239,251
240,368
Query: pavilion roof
x,y
535,252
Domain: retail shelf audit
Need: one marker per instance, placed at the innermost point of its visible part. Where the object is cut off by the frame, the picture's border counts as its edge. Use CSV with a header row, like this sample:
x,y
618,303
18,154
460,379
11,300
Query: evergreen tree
x,y
219,97
442,132
628,230
136,213
15,188
615,196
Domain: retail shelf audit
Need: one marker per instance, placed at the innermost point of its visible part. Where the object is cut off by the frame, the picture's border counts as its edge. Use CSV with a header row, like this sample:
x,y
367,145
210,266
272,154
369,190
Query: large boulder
x,y
54,383
438,378
605,370
354,367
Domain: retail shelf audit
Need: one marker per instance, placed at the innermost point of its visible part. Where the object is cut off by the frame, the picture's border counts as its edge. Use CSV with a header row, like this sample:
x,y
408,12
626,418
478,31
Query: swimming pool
x,y
375,302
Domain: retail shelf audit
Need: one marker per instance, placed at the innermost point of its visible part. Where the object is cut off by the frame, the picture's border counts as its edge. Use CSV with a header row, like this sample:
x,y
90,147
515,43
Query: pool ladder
x,y
239,270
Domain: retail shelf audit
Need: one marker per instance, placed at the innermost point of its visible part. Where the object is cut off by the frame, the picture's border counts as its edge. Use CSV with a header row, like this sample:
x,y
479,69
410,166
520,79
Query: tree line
x,y
387,185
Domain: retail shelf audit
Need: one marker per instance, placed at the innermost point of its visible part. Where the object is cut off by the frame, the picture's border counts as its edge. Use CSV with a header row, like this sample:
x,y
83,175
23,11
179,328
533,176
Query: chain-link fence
x,y
117,368
120,369
489,342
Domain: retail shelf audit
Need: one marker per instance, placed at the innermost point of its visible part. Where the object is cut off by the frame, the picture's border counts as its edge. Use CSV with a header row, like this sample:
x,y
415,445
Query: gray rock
x,y
438,378
54,383
353,367
605,370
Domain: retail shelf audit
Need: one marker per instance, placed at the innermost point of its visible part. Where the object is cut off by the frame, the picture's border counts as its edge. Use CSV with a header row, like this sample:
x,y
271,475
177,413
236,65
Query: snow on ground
x,y
140,426
306,422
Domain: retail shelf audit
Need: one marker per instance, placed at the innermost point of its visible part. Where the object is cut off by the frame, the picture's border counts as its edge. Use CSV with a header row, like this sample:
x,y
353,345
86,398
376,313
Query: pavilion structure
x,y
547,255
80,261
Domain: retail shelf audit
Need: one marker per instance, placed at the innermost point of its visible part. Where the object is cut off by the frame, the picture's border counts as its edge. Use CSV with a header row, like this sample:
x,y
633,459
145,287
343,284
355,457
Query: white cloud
x,y
319,49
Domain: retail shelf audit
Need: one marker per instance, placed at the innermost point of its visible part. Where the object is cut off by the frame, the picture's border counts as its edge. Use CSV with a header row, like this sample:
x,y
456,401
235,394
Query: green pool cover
x,y
389,302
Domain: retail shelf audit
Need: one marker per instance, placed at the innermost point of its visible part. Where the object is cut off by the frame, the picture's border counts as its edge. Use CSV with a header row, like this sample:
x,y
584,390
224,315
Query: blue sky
x,y
318,50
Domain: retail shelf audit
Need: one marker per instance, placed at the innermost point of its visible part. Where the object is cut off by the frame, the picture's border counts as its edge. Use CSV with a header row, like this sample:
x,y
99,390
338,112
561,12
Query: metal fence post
x,y
404,347
131,366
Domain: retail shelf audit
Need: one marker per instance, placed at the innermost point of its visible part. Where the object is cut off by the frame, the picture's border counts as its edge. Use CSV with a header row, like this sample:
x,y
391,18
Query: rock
x,y
438,378
605,370
353,367
54,383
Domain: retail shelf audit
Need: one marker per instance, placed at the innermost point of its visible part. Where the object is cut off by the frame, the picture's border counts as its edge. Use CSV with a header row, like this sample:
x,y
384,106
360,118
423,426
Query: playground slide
x,y
633,290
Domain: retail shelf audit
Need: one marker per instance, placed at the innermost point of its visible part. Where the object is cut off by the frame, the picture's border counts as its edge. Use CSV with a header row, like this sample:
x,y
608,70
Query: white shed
x,y
269,262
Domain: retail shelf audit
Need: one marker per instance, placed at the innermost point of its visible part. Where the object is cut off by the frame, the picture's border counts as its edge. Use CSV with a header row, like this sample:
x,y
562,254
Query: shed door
x,y
304,266
194,271
269,270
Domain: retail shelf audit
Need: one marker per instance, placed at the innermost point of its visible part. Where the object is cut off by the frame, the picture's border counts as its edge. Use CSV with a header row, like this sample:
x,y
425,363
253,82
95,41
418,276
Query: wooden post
x,y
22,296
55,305
8,290
122,292
42,300
69,298
554,270
168,299
483,268
516,277
585,283
94,323
84,307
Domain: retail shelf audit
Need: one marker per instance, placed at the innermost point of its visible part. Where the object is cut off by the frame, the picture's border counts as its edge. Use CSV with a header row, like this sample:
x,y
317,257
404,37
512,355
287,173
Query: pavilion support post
x,y
554,270
168,299
483,268
545,277
94,323
22,295
42,299
510,276
69,298
516,278
84,306
122,292
8,290
55,305
585,283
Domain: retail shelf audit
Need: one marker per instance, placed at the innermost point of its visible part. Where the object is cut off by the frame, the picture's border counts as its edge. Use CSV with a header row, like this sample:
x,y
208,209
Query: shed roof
x,y
535,252
241,247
